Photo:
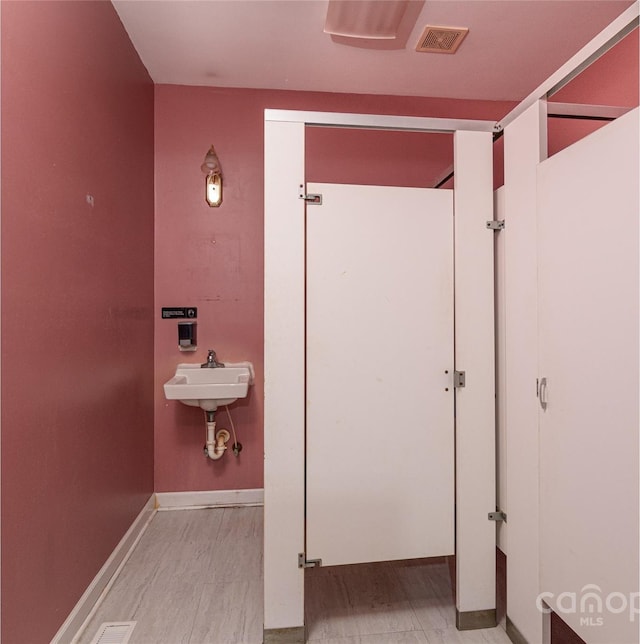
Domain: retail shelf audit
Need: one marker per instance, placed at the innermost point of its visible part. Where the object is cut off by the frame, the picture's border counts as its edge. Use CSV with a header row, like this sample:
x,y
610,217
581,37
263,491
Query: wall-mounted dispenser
x,y
187,336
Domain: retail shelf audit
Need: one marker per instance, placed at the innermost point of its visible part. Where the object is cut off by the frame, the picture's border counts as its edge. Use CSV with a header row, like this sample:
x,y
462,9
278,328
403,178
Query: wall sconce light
x,y
213,182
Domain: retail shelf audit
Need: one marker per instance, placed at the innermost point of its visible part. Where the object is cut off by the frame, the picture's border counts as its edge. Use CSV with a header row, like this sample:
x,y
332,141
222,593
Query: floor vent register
x,y
114,633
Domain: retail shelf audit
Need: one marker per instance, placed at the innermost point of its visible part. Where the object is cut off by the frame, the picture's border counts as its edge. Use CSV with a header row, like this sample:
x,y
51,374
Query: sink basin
x,y
209,388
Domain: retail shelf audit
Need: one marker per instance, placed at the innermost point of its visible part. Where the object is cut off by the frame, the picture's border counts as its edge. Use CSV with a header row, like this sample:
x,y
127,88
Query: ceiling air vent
x,y
441,40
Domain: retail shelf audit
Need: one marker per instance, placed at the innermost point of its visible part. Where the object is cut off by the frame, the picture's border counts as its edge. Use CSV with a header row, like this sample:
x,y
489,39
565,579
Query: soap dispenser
x,y
187,336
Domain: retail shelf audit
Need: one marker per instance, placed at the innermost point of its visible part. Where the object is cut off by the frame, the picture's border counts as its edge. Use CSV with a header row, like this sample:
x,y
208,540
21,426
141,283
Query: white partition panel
x,y
588,285
525,146
284,376
475,354
380,434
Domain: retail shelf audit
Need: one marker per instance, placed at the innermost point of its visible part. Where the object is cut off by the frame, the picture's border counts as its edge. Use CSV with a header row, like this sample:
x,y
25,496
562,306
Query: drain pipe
x,y
216,444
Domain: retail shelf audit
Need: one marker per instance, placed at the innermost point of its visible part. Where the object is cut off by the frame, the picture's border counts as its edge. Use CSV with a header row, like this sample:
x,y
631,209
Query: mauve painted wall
x,y
614,79
213,258
77,304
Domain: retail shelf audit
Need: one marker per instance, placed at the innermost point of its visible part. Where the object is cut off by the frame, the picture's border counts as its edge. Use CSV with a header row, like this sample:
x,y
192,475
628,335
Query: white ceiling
x,y
512,45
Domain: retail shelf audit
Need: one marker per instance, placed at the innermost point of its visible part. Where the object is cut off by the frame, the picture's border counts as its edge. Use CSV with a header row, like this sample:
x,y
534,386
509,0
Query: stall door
x,y
380,424
588,342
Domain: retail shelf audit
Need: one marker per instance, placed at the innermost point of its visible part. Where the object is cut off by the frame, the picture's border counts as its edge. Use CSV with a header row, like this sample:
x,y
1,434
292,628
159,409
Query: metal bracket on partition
x,y
498,515
303,562
313,199
459,379
495,224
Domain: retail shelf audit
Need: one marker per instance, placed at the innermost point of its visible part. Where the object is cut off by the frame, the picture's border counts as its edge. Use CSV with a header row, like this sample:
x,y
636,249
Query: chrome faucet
x,y
212,361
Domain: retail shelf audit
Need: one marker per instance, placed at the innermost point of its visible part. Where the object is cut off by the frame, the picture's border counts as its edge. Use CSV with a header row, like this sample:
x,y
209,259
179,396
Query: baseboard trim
x,y
514,634
293,635
78,617
475,619
209,499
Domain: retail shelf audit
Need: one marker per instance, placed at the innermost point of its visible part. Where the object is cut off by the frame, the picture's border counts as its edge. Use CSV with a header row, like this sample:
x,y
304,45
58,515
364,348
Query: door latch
x,y
313,199
498,515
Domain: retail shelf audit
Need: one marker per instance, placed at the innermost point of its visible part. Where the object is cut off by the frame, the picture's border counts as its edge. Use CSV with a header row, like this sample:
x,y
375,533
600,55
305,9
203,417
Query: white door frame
x,y
284,408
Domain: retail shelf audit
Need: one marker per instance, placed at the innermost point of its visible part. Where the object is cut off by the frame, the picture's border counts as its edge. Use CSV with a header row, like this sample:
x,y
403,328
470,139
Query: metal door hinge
x,y
313,199
459,379
495,224
498,515
303,562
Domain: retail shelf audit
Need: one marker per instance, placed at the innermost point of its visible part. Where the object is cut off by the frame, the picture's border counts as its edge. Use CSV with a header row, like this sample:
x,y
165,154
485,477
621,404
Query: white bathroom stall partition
x,y
286,360
284,376
525,146
588,289
379,374
475,403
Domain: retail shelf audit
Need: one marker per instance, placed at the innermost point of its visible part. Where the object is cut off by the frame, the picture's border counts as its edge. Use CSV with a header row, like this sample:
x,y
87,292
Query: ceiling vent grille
x,y
441,40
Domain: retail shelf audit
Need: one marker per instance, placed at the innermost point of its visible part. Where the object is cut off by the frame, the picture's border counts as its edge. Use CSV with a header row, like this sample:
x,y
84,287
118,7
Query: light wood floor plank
x,y
356,600
229,612
247,523
239,560
195,577
407,637
180,526
167,618
429,591
452,636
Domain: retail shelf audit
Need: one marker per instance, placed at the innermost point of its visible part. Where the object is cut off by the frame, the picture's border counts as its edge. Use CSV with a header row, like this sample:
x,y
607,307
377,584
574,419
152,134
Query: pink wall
x,y
614,79
77,304
213,258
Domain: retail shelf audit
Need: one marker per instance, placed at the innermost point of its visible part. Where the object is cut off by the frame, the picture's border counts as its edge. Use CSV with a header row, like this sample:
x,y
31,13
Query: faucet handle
x,y
212,360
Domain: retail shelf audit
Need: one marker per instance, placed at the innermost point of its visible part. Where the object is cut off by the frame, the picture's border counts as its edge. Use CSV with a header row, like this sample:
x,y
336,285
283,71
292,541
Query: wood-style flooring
x,y
195,577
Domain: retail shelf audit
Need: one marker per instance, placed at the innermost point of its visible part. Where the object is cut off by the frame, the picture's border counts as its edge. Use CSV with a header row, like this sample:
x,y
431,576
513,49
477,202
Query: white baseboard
x,y
83,609
209,499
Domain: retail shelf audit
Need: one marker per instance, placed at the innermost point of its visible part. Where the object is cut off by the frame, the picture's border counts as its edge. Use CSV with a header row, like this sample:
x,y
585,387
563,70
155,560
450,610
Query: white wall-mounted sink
x,y
209,388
